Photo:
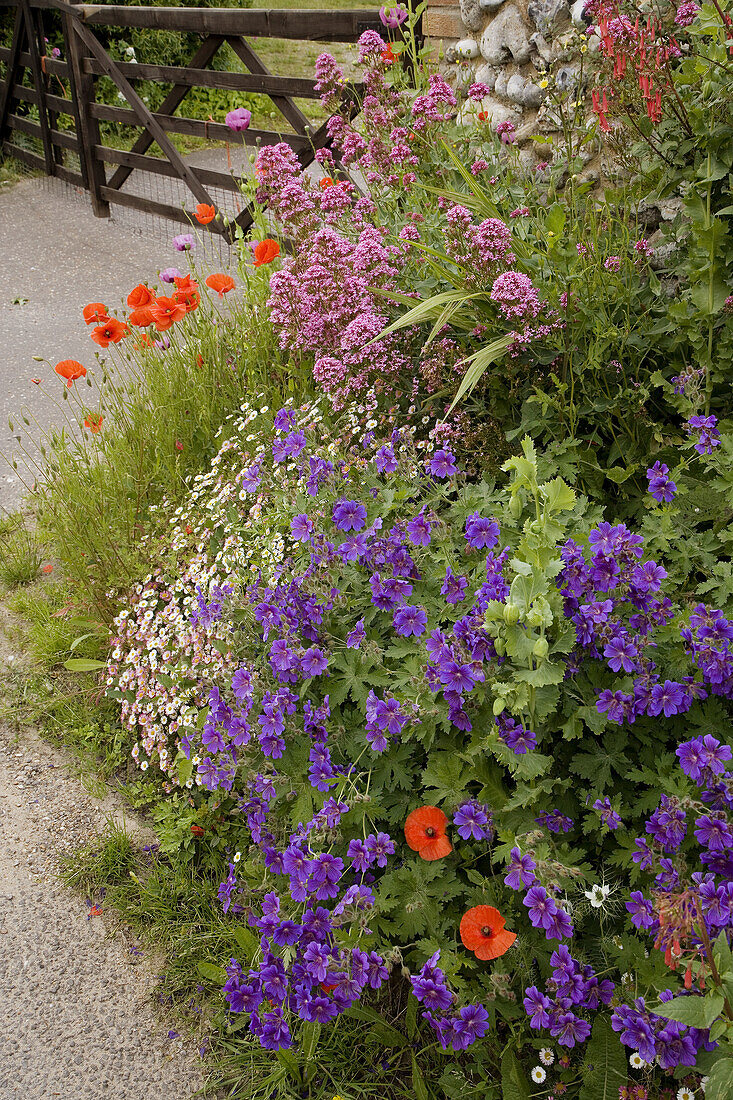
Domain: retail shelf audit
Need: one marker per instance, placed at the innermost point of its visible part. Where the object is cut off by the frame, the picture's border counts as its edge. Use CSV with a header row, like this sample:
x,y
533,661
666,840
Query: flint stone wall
x,y
508,45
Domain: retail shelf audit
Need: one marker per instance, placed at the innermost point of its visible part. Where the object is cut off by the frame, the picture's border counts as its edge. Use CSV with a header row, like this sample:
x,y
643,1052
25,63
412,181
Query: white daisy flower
x,y
237,857
546,1056
636,1061
538,1075
685,1094
597,895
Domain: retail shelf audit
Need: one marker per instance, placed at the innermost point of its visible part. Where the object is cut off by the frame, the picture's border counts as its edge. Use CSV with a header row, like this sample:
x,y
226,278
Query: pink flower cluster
x,y
480,249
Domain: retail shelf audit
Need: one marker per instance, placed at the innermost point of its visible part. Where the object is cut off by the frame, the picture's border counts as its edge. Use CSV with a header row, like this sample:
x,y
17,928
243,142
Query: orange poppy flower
x,y
185,283
483,932
47,568
70,370
141,317
111,332
482,116
205,213
222,284
425,833
141,296
266,251
190,299
166,311
95,313
199,360
389,56
94,422
325,182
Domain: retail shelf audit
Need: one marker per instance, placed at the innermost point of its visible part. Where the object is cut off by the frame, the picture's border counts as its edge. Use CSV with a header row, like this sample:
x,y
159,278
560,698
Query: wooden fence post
x,y
83,85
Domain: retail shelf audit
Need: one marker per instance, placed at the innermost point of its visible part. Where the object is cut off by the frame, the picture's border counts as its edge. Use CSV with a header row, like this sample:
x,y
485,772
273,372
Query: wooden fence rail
x,y
30,75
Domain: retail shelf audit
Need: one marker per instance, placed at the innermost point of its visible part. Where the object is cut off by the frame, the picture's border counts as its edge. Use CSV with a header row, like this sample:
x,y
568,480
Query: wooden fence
x,y
29,72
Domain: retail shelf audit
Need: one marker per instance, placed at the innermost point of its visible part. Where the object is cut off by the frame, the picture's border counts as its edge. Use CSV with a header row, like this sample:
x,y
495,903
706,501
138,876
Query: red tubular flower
x,y
425,833
483,932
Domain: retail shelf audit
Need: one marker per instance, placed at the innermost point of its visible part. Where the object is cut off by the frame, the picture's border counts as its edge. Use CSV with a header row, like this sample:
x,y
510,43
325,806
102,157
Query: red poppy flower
x,y
141,317
266,251
325,182
94,422
389,56
425,833
166,311
185,283
222,284
111,332
48,568
190,299
143,341
141,296
199,360
70,370
95,313
197,830
179,445
482,116
205,213
483,932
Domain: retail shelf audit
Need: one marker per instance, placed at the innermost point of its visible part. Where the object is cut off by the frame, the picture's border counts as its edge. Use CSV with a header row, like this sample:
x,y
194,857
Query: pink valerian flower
x,y
613,263
520,212
515,295
371,46
436,105
642,248
480,249
329,81
479,165
506,131
686,13
281,187
478,91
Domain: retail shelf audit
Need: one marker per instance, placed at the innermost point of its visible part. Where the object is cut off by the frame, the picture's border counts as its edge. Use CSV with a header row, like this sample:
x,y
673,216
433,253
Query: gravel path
x,y
76,1015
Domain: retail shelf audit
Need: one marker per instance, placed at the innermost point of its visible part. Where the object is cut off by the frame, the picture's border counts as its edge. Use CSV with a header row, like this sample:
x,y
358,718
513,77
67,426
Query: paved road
x,y
56,257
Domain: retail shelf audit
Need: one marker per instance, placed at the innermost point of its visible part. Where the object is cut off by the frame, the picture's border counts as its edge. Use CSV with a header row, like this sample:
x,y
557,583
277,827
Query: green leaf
x,y
289,1062
387,1034
418,1082
212,973
309,1037
83,664
185,769
720,1080
514,1084
693,1011
619,474
608,1059
559,497
246,941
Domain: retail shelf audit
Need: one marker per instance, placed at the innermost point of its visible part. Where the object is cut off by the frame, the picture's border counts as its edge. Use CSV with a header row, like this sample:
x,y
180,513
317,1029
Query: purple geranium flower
x,y
349,515
443,464
410,620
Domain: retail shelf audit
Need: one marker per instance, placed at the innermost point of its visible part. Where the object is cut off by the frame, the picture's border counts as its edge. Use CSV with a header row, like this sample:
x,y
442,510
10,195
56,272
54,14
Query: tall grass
x,y
161,409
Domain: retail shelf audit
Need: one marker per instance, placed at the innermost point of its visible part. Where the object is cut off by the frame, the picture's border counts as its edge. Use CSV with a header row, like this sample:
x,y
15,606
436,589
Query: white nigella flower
x,y
538,1075
546,1056
597,895
636,1061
